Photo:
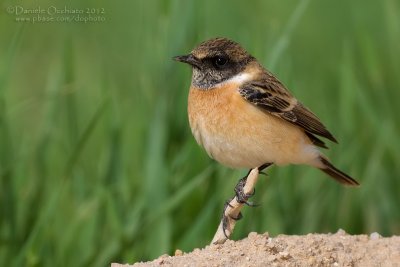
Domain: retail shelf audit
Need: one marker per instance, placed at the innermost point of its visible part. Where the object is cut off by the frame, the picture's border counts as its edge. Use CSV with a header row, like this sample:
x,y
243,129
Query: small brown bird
x,y
244,117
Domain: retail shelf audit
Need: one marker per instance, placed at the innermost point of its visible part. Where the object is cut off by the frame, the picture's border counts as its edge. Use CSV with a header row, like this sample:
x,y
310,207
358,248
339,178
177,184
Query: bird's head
x,y
215,61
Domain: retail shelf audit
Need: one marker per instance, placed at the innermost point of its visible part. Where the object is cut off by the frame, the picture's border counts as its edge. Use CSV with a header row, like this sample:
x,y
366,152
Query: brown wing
x,y
270,95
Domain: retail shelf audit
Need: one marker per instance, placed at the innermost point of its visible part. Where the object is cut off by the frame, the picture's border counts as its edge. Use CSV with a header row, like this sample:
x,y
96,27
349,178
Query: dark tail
x,y
336,174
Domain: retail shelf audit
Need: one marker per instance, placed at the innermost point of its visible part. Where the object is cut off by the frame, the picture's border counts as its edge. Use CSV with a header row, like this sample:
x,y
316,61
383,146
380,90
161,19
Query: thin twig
x,y
232,210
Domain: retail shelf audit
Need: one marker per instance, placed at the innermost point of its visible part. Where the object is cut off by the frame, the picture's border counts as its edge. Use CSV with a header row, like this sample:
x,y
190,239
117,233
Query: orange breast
x,y
238,134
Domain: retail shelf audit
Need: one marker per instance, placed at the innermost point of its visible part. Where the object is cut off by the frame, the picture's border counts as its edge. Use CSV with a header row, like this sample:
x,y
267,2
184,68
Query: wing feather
x,y
270,95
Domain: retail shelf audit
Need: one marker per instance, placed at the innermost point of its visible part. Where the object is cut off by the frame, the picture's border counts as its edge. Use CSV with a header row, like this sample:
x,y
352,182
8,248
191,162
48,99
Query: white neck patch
x,y
238,78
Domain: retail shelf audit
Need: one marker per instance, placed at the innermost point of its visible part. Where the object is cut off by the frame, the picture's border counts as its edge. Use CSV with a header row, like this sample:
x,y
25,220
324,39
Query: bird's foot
x,y
225,217
241,196
233,206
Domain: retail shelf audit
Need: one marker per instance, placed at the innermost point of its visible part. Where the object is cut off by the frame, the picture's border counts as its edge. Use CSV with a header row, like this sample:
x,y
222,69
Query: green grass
x,y
97,162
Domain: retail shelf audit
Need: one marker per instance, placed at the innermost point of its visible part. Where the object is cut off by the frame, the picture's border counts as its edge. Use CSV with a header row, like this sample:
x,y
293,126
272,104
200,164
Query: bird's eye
x,y
219,61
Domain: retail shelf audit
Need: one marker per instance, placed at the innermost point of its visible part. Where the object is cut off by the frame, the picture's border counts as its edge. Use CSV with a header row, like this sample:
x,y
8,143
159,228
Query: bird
x,y
244,117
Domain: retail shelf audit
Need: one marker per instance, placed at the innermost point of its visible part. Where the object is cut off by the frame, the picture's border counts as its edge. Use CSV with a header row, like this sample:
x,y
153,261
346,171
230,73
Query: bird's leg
x,y
233,206
263,167
236,218
225,219
242,197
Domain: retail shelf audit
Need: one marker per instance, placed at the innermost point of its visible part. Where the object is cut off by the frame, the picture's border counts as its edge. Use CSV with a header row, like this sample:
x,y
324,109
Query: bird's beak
x,y
188,59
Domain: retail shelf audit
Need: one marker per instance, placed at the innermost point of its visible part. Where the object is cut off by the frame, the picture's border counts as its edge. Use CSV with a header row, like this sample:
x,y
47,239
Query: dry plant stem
x,y
233,209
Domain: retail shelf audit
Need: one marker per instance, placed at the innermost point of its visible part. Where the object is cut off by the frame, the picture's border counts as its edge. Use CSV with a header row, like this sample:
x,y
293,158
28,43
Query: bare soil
x,y
339,249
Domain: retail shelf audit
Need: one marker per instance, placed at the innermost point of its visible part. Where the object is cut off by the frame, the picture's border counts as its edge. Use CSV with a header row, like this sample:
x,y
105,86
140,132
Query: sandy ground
x,y
339,249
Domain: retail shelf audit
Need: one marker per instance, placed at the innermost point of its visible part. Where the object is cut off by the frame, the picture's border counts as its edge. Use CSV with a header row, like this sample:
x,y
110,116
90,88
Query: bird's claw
x,y
225,218
242,197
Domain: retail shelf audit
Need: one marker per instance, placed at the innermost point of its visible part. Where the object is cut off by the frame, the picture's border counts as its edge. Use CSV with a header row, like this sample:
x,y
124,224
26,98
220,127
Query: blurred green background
x,y
97,162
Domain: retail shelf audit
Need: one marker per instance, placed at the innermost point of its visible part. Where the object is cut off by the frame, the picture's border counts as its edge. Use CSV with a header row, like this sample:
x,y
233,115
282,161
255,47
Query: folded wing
x,y
271,96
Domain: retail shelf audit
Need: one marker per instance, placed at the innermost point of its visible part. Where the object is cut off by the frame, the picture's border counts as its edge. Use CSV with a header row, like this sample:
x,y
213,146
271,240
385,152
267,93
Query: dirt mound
x,y
338,249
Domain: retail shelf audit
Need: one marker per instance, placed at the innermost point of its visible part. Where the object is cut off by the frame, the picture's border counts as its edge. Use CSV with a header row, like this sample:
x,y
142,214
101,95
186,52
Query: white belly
x,y
230,152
